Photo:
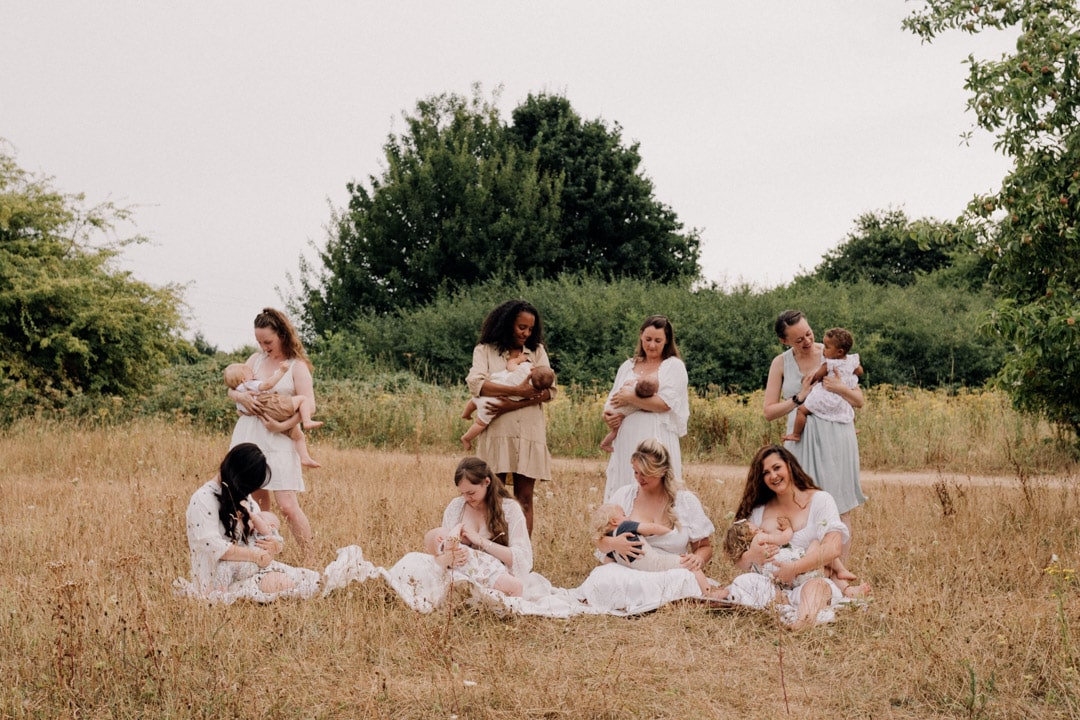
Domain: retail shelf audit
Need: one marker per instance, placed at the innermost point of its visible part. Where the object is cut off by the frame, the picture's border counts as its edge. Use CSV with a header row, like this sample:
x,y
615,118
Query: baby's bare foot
x,y
791,438
309,462
312,424
857,591
607,446
465,443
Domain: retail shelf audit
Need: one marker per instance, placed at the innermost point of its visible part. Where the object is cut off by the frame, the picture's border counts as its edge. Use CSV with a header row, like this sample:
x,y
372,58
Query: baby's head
x,y
606,518
646,387
838,342
542,378
738,537
237,374
265,522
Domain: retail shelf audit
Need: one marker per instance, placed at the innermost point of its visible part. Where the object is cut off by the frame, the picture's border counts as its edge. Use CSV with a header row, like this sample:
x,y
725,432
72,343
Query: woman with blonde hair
x,y
656,496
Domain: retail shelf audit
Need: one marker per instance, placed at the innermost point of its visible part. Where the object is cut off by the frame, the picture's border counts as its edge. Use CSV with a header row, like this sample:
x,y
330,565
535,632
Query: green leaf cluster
x,y
1030,100
466,198
71,322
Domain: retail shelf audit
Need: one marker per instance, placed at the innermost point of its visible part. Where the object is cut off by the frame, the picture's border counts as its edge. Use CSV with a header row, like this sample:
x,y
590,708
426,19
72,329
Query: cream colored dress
x,y
514,442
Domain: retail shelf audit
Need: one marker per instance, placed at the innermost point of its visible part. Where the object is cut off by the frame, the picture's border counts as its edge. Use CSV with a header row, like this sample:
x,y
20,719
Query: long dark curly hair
x,y
475,471
498,327
756,492
242,472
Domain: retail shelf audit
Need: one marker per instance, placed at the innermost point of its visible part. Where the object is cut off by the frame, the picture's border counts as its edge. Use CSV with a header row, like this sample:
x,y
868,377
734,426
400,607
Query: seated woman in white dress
x,y
227,561
493,554
776,486
655,497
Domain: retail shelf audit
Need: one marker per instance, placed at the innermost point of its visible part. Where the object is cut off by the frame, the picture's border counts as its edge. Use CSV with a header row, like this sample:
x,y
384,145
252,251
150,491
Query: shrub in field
x,y
922,334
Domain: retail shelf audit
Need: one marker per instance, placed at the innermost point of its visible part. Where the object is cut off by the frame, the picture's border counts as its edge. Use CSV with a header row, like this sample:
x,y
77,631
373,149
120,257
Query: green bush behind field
x,y
974,431
397,381
924,335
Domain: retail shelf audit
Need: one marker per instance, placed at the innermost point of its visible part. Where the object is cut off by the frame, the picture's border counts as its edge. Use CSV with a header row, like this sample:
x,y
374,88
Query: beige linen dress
x,y
514,442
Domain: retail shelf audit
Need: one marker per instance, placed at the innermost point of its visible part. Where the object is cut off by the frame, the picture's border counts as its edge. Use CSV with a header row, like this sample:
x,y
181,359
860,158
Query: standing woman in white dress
x,y
659,417
278,343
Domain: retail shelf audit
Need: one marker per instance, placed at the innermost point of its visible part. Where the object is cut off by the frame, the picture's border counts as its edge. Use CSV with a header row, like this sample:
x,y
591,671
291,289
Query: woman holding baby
x,y
828,451
649,400
514,442
778,494
279,345
232,553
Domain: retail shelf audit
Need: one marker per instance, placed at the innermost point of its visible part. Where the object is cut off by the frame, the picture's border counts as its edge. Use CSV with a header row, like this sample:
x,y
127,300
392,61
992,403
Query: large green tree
x,y
465,198
610,223
886,248
71,322
1030,99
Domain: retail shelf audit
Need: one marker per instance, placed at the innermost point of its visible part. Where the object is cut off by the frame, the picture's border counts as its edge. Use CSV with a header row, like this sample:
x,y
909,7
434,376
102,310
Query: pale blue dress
x,y
828,451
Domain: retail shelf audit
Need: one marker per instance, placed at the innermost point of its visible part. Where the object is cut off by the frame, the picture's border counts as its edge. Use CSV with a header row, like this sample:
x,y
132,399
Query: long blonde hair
x,y
655,461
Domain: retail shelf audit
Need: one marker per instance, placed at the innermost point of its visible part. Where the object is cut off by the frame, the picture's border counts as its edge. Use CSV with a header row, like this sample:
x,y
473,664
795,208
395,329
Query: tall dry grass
x,y
966,621
974,432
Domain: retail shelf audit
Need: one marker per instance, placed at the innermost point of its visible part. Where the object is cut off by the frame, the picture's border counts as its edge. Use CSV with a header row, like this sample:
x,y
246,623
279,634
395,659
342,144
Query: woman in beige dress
x,y
515,443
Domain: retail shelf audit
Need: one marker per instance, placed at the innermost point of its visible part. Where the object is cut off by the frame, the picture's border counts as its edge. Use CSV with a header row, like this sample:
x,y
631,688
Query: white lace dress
x,y
618,590
224,580
827,405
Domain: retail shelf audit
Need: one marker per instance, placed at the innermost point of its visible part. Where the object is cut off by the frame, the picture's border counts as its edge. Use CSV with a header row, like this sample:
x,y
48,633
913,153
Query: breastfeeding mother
x,y
515,442
661,416
828,451
777,487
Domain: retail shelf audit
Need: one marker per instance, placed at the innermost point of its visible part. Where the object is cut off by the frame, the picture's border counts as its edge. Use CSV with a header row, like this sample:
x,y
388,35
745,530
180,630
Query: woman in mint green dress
x,y
828,451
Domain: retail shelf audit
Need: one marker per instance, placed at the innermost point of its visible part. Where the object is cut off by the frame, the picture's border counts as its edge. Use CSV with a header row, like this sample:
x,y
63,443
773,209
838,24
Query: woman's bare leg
x,y
814,597
273,582
298,522
523,493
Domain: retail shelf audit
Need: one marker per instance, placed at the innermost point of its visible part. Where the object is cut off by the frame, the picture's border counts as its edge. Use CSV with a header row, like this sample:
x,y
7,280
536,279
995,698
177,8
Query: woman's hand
x,y
262,558
270,545
453,557
832,381
281,426
691,561
785,573
626,397
760,551
624,545
471,538
248,400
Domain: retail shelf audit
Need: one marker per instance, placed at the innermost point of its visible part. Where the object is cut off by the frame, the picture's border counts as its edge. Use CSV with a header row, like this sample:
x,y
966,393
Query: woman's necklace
x,y
795,499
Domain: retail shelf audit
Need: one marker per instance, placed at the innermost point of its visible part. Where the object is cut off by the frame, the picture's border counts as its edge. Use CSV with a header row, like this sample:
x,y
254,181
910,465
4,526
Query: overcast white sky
x,y
232,128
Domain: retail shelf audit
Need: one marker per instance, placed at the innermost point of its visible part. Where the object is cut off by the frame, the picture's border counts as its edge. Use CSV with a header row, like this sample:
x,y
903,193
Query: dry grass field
x,y
970,618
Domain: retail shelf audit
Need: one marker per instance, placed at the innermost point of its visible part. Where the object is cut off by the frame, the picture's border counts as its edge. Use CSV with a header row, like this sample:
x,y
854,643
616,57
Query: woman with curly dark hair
x,y
515,442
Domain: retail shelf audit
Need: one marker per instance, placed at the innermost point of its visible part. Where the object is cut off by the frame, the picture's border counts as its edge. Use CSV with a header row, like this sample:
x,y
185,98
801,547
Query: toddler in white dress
x,y
822,403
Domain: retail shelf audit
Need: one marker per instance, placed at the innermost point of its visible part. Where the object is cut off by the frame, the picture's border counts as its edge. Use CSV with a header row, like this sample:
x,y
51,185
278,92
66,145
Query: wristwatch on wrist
x,y
795,399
